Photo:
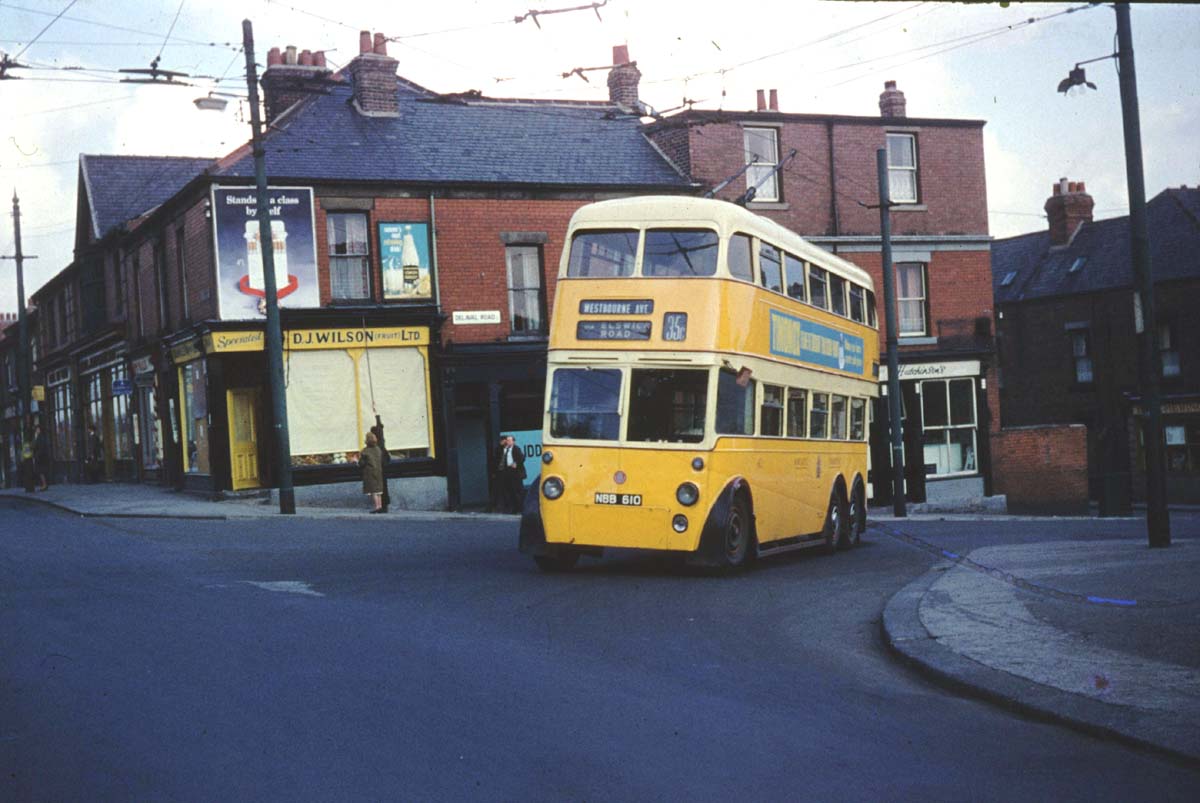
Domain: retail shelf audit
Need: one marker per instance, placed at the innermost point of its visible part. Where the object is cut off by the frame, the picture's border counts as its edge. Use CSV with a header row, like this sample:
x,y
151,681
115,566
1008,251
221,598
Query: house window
x,y
119,281
762,152
1168,349
948,421
160,283
525,306
182,268
902,168
1008,278
910,298
349,256
1183,444
1081,353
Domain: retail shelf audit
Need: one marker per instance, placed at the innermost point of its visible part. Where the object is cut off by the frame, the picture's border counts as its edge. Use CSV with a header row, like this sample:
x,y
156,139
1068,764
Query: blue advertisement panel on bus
x,y
816,344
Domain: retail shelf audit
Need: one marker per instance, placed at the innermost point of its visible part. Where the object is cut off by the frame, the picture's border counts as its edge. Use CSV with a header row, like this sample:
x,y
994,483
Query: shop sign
x,y
142,365
1172,408
469,317
356,337
529,441
186,352
216,342
404,257
122,387
933,370
38,393
241,290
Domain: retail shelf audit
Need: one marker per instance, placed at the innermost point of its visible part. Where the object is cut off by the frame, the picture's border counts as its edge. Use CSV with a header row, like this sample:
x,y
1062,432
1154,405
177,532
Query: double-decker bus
x,y
709,377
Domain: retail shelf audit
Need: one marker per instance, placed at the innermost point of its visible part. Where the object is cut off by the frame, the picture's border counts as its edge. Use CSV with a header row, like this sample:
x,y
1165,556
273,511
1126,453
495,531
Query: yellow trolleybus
x,y
709,373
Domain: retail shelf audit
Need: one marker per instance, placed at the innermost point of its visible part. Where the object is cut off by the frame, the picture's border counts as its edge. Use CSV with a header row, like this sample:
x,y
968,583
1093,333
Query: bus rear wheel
x,y
736,540
856,519
837,522
558,561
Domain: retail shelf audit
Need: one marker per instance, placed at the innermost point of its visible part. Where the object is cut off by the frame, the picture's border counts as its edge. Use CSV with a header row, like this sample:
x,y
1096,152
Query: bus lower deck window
x,y
584,404
667,406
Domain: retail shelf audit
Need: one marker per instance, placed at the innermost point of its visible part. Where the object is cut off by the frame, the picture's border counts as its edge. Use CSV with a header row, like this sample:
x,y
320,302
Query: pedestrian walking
x,y
41,457
95,454
385,458
26,469
511,474
371,463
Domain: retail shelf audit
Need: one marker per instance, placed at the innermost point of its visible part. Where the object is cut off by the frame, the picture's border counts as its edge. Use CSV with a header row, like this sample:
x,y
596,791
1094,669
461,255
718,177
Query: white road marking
x,y
286,586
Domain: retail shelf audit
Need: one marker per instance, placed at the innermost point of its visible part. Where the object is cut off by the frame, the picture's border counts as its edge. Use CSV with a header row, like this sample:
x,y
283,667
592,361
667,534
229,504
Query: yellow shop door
x,y
243,437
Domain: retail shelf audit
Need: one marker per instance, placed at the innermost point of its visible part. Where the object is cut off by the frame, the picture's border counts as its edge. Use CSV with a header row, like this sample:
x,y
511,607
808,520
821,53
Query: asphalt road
x,y
427,660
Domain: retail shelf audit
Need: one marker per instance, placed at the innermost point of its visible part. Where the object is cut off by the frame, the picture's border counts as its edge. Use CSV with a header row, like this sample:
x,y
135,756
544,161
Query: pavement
x,y
1102,635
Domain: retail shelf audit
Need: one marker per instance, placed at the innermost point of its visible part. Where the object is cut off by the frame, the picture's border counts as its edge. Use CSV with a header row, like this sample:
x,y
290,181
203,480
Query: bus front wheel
x,y
837,522
737,534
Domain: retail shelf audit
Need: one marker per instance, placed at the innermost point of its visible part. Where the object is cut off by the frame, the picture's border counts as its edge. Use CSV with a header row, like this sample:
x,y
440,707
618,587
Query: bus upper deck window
x,y
770,266
872,321
794,277
837,294
857,312
738,258
680,252
817,287
603,254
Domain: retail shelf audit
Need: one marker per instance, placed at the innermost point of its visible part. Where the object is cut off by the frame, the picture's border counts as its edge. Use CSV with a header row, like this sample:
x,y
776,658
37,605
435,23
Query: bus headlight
x,y
679,523
687,494
552,488
547,457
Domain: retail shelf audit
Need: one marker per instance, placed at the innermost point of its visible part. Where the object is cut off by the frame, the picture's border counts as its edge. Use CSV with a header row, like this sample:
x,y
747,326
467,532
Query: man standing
x,y
511,475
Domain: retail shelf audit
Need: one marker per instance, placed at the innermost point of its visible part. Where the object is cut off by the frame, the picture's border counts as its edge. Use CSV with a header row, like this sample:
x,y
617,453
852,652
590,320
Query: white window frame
x,y
921,298
949,426
897,171
769,191
536,254
349,257
1081,356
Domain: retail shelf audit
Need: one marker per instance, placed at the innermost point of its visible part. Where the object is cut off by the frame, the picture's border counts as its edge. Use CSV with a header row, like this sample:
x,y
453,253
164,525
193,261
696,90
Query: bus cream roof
x,y
653,210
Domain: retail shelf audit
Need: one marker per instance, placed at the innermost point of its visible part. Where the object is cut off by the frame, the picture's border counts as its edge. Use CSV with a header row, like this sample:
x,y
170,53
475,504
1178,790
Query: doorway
x,y
243,437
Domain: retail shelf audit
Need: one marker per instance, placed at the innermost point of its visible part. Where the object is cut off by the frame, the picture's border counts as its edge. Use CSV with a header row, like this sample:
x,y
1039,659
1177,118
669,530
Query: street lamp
x,y
1158,521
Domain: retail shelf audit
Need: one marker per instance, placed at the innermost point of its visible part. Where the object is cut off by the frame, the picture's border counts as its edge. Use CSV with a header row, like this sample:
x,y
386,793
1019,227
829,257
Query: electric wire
x,y
43,30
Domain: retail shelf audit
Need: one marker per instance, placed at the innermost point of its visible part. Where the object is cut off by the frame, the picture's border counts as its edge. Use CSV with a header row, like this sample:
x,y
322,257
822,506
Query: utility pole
x,y
895,425
24,383
274,335
1158,520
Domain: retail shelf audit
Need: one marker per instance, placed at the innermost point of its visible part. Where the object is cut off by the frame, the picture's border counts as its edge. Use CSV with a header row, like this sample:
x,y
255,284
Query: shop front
x,y
945,416
1181,431
148,429
105,392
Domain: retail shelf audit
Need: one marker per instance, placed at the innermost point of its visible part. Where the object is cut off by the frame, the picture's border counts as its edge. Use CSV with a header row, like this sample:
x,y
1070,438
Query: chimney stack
x,y
623,79
891,101
284,82
374,73
1068,207
762,100
773,104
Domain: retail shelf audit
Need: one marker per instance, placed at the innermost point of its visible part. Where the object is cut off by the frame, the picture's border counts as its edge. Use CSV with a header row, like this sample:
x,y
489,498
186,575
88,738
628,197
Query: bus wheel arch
x,y
857,522
728,540
837,523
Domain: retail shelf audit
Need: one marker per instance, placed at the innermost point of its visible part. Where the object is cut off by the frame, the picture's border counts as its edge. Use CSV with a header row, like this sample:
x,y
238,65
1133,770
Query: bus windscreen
x,y
584,404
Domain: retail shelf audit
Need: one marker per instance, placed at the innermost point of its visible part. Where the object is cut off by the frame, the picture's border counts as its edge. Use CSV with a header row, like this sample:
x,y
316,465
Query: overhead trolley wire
x,y
57,17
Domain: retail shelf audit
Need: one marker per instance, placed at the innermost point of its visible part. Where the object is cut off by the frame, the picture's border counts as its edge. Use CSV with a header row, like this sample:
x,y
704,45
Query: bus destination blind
x,y
612,330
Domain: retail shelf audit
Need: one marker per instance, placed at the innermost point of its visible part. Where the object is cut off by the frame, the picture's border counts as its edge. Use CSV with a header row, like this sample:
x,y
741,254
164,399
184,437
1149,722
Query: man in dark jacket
x,y
511,474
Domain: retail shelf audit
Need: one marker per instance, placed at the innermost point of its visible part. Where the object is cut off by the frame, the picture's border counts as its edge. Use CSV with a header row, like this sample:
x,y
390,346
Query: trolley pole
x,y
24,382
274,334
895,425
1158,520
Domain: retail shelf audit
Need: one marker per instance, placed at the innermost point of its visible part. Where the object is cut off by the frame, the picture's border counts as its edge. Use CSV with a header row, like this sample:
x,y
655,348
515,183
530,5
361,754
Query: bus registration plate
x,y
633,500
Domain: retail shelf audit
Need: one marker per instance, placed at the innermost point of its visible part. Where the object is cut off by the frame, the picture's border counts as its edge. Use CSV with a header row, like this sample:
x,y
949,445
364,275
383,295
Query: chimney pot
x,y
306,58
762,100
380,45
374,75
891,101
274,57
364,42
620,54
319,58
290,58
774,102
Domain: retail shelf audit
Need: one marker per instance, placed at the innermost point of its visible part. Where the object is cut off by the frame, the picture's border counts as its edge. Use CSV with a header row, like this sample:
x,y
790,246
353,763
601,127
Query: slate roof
x,y
1173,222
120,188
457,140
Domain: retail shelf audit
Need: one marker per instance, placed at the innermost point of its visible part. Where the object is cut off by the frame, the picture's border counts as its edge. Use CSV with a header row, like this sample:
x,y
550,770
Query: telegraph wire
x,y
43,30
169,31
124,29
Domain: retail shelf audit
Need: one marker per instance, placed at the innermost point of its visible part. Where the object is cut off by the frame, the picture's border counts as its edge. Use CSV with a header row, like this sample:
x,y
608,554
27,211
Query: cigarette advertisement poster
x,y
404,254
241,291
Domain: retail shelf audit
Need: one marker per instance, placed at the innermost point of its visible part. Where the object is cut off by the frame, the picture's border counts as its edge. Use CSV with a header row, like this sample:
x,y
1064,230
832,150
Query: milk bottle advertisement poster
x,y
404,254
241,288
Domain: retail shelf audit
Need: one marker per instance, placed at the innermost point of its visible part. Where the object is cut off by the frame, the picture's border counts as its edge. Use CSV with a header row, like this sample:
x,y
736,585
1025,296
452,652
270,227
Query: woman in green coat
x,y
371,462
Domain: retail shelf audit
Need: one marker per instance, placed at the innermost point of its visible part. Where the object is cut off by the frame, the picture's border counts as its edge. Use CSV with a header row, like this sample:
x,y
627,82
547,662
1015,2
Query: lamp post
x,y
1158,521
24,380
274,334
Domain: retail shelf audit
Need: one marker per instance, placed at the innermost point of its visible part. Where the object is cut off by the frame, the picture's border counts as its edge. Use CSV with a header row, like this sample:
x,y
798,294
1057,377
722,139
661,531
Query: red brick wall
x,y
1042,469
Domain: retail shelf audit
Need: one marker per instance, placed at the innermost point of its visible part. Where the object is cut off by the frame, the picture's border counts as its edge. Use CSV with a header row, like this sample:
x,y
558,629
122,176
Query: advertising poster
x,y
404,256
240,286
530,442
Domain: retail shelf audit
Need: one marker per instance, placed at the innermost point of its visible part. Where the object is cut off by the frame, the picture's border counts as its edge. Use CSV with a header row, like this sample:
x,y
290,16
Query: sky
x,y
998,62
